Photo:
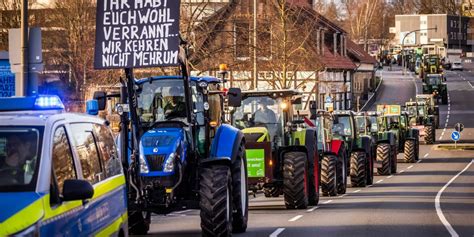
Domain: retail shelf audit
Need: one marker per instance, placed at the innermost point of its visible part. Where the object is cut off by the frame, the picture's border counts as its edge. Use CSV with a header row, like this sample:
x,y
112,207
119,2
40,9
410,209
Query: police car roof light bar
x,y
41,102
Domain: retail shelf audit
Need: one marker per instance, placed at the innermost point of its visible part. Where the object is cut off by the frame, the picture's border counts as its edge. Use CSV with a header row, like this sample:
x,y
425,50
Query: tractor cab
x,y
345,128
435,84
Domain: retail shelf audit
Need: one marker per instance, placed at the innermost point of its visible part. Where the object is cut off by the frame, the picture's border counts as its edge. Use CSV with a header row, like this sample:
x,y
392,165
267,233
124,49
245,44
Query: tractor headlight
x,y
143,166
169,164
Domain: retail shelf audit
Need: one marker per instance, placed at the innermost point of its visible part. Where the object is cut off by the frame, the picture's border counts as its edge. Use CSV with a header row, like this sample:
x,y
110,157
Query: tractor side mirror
x,y
235,97
101,98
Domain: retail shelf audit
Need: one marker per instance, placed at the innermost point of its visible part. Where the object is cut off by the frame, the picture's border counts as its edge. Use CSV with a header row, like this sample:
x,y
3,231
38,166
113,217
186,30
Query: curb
x,y
371,100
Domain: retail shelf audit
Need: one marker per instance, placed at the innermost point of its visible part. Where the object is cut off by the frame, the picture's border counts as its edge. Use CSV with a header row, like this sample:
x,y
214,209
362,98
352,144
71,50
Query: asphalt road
x,y
434,197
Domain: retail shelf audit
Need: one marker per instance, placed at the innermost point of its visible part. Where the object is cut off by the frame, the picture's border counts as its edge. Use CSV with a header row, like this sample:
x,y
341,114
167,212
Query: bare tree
x,y
10,17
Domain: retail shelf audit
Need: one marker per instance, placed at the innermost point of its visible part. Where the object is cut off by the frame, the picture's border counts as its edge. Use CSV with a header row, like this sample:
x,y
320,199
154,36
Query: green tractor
x,y
331,151
359,146
281,153
366,145
431,65
386,140
421,119
433,109
435,84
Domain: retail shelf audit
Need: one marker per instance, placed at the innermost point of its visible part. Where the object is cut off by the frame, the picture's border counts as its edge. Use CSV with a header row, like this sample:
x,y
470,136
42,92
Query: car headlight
x,y
143,167
169,164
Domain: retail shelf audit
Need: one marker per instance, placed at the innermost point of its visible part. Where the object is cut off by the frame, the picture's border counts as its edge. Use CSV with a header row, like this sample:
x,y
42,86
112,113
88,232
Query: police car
x,y
60,173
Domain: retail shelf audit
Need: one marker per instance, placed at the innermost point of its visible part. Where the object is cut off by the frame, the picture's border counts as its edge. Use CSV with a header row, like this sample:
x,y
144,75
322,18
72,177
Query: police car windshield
x,y
19,156
162,100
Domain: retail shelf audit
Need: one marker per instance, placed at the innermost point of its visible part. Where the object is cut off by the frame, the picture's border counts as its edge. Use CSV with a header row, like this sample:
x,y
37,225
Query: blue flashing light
x,y
92,107
41,102
48,102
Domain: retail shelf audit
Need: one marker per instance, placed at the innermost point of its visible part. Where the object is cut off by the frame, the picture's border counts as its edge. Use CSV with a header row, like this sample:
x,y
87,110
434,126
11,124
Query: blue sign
x,y
455,136
7,80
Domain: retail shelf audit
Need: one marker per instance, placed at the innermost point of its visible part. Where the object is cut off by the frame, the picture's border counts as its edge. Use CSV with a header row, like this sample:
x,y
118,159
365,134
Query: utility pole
x,y
23,83
255,74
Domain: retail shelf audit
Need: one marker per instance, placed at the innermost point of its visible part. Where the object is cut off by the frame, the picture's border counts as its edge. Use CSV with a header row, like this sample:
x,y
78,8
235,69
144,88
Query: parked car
x,y
457,66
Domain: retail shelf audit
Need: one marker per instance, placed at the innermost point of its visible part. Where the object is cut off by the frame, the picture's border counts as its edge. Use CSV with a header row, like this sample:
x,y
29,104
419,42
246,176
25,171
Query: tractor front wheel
x,y
329,175
216,200
358,169
295,188
383,156
429,135
240,196
410,151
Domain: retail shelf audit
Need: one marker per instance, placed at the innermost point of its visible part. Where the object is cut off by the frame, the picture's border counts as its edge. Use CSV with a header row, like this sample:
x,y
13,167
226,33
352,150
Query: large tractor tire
x,y
383,156
429,135
358,169
329,175
240,195
342,174
295,188
410,151
139,222
216,200
314,177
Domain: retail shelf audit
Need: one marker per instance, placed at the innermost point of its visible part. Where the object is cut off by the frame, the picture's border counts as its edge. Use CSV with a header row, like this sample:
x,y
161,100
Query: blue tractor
x,y
179,154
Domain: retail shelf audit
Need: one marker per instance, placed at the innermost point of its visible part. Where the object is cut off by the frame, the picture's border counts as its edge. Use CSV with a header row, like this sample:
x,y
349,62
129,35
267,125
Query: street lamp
x,y
403,44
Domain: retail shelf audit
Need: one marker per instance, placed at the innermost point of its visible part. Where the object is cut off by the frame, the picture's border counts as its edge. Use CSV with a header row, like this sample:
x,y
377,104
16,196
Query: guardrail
x,y
373,97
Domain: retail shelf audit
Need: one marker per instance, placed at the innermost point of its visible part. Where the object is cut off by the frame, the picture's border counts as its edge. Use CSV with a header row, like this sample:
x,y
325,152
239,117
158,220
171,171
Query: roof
x,y
332,61
196,79
359,54
42,118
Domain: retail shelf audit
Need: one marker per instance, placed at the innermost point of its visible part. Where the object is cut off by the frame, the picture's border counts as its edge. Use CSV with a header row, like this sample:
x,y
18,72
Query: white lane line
x,y
418,161
380,181
277,232
426,155
401,171
409,167
328,201
356,191
441,216
470,84
444,130
369,185
389,177
312,209
295,218
342,195
182,212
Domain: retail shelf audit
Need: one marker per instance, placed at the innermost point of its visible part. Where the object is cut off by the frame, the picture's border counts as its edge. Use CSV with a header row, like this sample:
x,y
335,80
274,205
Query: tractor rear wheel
x,y
358,169
329,175
272,192
295,188
409,154
429,135
216,200
240,196
383,156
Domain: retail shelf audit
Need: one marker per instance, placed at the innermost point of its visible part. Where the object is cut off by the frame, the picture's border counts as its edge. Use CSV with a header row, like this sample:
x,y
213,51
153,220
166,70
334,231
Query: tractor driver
x,y
175,106
264,115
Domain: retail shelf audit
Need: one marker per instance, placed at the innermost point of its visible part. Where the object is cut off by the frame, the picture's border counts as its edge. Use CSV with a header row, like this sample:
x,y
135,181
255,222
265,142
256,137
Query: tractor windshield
x,y
361,124
412,110
260,112
162,100
346,122
434,80
323,129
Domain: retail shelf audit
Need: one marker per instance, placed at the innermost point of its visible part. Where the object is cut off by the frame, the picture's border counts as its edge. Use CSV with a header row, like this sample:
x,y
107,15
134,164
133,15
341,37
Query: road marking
x,y
409,167
312,209
389,177
328,201
369,185
295,218
441,216
277,232
182,212
401,171
356,191
380,181
342,195
444,130
418,161
426,155
470,84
